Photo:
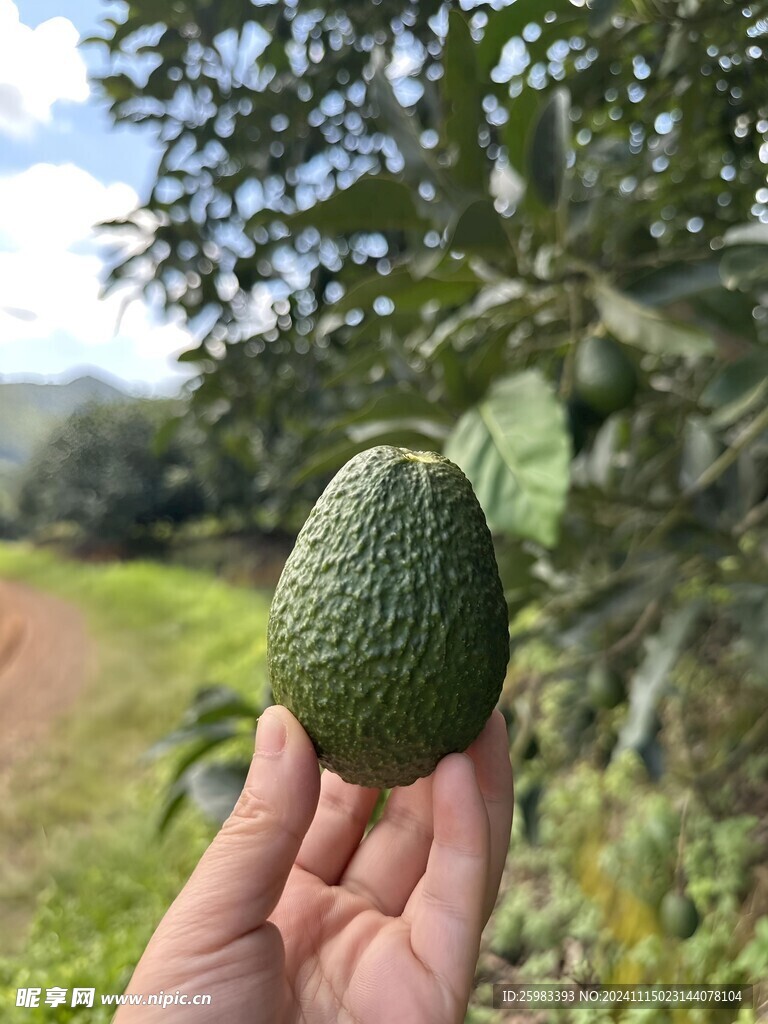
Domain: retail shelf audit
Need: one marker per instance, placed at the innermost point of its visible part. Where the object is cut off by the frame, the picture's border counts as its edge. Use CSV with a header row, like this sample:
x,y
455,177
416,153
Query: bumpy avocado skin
x,y
388,634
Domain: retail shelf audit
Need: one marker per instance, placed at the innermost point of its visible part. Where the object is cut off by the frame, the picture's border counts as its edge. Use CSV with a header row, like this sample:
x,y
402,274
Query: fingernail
x,y
270,734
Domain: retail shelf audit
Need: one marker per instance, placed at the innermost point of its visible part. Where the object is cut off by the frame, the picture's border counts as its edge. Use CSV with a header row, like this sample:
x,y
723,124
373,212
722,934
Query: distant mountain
x,y
29,411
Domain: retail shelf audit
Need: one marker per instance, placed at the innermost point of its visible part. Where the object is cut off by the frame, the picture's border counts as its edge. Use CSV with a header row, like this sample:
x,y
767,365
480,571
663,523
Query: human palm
x,y
295,914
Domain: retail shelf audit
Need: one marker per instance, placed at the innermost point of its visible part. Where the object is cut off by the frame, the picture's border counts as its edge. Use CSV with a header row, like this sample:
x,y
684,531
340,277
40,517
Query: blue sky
x,y
63,168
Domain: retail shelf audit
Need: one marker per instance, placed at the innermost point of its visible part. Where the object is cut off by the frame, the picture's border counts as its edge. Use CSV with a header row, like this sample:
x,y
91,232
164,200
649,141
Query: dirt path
x,y
44,654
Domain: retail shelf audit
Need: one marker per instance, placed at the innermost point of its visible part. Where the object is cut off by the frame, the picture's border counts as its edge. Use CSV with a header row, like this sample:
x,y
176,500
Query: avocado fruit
x,y
388,633
605,686
604,377
679,916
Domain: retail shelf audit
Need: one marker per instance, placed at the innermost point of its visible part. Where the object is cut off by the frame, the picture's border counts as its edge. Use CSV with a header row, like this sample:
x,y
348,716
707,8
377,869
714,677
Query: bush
x,y
102,472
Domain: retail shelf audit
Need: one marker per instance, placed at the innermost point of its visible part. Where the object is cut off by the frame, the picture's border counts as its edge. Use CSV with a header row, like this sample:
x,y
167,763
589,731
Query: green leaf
x,y
737,388
214,703
510,21
548,152
174,800
674,282
486,363
461,92
600,14
675,50
222,730
405,292
743,267
215,788
332,457
529,800
515,569
643,327
192,355
403,126
729,311
515,450
456,384
700,449
650,680
479,229
746,234
523,110
380,431
370,204
198,750
397,403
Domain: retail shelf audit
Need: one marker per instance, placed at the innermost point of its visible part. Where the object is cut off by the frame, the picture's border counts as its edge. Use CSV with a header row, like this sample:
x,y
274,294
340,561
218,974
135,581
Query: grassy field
x,y
85,876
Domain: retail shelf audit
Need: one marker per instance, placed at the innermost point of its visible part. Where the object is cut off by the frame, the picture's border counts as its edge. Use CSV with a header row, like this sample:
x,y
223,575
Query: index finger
x,y
490,754
446,911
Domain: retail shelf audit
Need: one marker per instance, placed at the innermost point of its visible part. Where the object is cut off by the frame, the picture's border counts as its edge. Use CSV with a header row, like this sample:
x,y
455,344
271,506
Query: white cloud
x,y
53,206
50,268
38,66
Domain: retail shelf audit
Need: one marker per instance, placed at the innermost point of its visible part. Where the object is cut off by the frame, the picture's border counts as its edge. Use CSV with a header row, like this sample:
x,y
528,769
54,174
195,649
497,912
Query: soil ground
x,y
44,663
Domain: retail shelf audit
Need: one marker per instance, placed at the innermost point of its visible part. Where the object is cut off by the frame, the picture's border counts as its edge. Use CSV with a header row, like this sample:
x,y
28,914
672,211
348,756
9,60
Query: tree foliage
x,y
401,222
101,473
426,224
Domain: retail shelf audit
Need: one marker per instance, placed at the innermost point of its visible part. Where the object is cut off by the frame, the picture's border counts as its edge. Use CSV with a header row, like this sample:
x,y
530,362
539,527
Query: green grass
x,y
84,876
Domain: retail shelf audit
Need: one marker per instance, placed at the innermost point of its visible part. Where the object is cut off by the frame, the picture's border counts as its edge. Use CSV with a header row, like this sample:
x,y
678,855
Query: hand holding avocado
x,y
388,640
294,913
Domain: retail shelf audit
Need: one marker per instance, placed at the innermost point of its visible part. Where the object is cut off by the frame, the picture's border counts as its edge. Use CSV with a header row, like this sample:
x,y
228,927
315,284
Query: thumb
x,y
238,882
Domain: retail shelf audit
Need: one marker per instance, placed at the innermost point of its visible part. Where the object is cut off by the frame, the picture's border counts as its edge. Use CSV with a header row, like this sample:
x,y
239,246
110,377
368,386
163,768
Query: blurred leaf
x,y
198,750
174,800
744,267
515,450
333,456
378,430
486,362
479,229
749,611
600,14
730,312
652,754
461,91
215,788
192,355
674,282
402,125
457,385
165,434
650,680
407,292
523,110
548,152
396,403
216,731
515,568
603,451
700,449
643,327
370,204
674,49
737,389
529,801
507,22
213,703
745,234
